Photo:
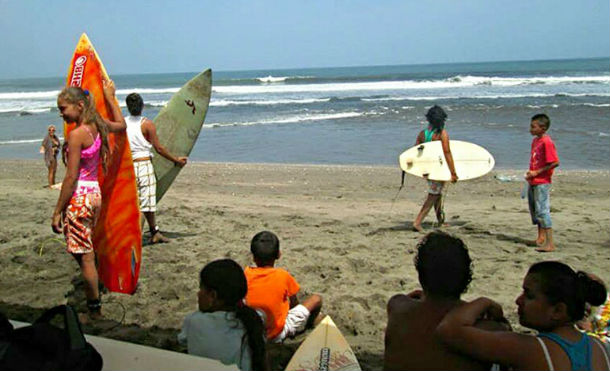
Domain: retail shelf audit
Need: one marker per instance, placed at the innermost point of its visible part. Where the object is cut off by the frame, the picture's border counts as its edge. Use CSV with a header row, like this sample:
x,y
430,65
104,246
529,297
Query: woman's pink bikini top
x,y
90,159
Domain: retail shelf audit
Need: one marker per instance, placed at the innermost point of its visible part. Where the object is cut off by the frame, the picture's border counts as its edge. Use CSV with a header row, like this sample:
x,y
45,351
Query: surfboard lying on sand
x,y
324,349
117,237
470,160
121,355
178,125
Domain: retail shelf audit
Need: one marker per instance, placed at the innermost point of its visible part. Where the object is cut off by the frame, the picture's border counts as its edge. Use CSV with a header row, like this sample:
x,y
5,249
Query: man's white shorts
x,y
147,185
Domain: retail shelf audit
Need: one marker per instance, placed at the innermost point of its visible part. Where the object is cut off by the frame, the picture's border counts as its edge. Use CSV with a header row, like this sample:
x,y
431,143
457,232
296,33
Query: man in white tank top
x,y
142,136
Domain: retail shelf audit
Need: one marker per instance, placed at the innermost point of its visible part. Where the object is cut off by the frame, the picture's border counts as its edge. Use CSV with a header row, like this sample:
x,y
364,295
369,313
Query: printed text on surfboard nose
x,y
79,69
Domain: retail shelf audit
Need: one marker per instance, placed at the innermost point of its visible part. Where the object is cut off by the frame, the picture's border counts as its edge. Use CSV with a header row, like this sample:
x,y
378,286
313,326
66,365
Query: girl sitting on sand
x,y
553,299
80,197
224,328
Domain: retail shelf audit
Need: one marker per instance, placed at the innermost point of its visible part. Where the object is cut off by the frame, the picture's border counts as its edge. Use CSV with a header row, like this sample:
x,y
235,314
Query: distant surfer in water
x,y
142,136
436,117
80,198
50,148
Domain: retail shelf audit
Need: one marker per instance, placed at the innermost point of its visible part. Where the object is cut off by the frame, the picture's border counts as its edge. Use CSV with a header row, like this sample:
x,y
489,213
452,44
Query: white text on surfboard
x,y
79,69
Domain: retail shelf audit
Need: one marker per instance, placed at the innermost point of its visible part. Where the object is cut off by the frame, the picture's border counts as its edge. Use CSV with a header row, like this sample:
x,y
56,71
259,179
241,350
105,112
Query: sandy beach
x,y
341,236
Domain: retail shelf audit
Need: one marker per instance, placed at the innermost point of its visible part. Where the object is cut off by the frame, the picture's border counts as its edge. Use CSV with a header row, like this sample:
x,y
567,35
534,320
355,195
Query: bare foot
x,y
546,248
89,317
418,228
540,241
158,238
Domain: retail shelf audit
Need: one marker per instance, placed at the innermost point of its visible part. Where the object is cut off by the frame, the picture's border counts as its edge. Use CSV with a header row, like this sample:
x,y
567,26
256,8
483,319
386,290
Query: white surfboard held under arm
x,y
427,159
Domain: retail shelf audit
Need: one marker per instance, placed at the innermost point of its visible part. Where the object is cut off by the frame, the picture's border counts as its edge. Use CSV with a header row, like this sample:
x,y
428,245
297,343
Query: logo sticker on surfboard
x,y
78,71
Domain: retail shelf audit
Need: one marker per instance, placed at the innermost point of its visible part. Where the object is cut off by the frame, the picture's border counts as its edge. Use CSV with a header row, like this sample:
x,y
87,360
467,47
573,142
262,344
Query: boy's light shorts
x,y
435,187
147,185
295,323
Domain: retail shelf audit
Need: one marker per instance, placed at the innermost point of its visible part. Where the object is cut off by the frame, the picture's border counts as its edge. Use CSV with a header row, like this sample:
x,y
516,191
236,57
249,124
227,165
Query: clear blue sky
x,y
37,37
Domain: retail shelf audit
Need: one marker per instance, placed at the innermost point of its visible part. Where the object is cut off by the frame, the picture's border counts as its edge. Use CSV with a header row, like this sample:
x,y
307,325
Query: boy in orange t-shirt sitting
x,y
273,291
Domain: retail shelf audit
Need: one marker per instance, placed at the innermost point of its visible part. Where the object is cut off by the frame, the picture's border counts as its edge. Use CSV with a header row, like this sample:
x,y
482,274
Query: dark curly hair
x,y
443,265
436,116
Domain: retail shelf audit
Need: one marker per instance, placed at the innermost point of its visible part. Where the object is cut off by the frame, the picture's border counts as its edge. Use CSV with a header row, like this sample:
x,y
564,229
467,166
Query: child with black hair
x,y
543,160
273,291
142,136
436,117
552,301
444,269
224,328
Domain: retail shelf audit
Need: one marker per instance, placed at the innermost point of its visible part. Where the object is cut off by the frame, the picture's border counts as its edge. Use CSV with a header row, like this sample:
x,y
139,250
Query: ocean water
x,y
358,115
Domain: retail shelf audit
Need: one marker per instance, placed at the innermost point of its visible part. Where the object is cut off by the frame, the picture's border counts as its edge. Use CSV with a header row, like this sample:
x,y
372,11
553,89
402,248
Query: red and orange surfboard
x,y
117,237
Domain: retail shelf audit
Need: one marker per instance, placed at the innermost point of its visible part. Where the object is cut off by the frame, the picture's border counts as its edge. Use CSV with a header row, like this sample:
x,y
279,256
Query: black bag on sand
x,y
45,347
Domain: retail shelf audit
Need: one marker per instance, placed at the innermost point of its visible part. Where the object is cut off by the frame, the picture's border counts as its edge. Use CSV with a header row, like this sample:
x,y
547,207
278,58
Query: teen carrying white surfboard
x,y
439,160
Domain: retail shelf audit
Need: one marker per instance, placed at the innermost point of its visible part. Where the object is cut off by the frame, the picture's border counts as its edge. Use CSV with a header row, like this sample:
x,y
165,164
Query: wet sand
x,y
341,236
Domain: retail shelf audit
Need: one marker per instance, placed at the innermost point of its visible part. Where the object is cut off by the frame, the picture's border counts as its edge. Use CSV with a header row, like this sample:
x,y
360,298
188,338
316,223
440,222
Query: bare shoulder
x,y
598,351
148,126
146,122
401,303
78,134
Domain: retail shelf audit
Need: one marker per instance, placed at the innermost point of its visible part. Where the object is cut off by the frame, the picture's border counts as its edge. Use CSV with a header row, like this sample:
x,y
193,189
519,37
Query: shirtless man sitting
x,y
444,270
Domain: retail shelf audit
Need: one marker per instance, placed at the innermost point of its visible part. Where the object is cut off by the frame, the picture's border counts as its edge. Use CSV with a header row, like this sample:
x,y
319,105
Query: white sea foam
x,y
515,81
22,109
271,102
52,94
29,95
480,96
156,103
288,120
26,106
601,134
453,82
23,141
597,105
147,91
271,79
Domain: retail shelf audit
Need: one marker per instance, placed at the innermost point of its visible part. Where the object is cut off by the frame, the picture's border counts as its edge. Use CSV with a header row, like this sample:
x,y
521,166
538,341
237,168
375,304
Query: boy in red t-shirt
x,y
273,291
542,162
